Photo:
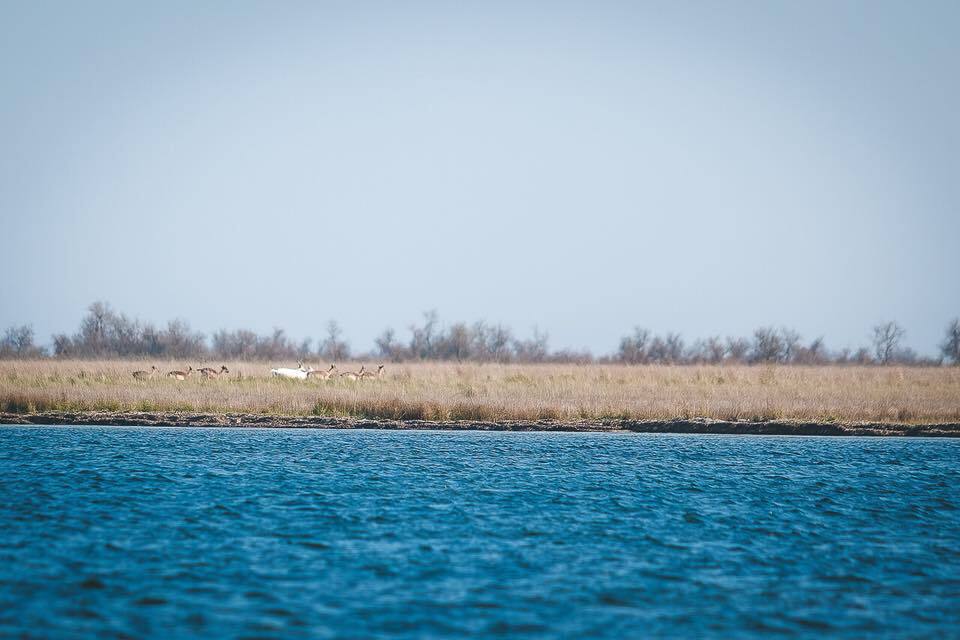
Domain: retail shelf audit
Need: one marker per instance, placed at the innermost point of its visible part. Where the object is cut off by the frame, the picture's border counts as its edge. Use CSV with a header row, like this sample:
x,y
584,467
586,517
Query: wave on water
x,y
224,533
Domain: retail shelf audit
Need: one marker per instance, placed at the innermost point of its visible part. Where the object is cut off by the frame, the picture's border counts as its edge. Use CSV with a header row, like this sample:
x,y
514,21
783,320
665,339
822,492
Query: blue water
x,y
212,533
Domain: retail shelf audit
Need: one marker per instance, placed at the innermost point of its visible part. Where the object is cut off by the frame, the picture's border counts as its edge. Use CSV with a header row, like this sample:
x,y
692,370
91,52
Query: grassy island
x,y
497,392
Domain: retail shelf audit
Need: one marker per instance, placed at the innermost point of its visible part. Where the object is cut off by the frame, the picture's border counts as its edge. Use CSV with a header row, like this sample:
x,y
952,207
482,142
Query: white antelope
x,y
300,373
370,375
180,375
323,375
146,375
350,375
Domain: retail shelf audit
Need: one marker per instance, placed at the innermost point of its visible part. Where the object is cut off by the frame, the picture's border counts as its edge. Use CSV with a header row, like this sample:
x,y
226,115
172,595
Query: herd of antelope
x,y
300,373
303,373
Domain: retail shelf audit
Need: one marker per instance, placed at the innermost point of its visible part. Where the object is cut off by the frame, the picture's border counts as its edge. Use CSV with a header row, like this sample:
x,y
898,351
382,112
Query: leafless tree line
x,y
460,341
780,346
104,332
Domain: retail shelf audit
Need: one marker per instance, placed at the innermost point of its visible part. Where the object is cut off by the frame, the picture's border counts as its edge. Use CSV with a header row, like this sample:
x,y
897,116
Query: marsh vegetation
x,y
472,391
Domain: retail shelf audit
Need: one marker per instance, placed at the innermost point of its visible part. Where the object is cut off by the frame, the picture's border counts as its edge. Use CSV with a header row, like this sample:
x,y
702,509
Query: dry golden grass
x,y
445,391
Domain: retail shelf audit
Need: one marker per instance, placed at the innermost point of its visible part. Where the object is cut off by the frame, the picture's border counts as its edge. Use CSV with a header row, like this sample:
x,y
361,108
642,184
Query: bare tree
x,y
815,353
17,342
334,348
791,344
93,328
534,349
657,352
767,346
498,343
666,349
886,341
738,349
674,344
950,348
63,345
456,343
150,340
304,349
491,342
422,338
633,348
713,350
180,341
388,347
240,344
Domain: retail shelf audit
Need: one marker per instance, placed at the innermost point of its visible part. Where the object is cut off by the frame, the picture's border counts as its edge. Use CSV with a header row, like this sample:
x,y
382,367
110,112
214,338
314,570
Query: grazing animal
x,y
213,374
370,375
180,375
300,373
146,375
350,375
323,375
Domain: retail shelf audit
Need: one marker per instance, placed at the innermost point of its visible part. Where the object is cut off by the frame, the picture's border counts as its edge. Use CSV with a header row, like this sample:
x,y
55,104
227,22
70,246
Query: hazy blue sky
x,y
585,167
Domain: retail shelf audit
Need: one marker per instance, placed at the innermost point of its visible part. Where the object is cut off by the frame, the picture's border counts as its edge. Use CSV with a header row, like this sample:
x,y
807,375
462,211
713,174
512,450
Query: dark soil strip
x,y
638,426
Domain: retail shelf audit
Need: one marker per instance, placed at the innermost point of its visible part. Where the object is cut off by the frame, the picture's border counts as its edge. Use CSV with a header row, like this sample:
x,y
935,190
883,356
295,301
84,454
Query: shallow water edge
x,y
692,426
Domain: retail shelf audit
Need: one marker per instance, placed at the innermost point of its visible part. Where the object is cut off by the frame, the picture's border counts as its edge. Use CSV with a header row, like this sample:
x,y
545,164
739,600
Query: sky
x,y
582,167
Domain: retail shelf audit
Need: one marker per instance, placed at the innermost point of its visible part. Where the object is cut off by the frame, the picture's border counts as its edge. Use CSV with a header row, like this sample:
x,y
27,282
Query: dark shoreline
x,y
696,426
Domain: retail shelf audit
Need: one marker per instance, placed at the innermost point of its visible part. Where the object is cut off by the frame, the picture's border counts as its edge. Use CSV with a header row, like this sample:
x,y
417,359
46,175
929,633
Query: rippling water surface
x,y
269,533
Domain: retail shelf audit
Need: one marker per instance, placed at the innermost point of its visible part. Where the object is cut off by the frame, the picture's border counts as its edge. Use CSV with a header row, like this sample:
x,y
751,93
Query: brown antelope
x,y
146,375
213,374
323,375
370,375
180,375
350,375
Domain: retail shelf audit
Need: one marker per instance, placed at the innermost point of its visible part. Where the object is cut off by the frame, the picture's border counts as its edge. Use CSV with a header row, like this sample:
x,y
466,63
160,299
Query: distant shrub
x,y
17,342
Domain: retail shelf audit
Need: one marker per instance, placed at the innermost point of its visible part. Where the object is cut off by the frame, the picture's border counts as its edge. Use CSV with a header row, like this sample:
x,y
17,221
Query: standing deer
x,y
323,375
370,375
350,375
146,375
180,375
212,374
